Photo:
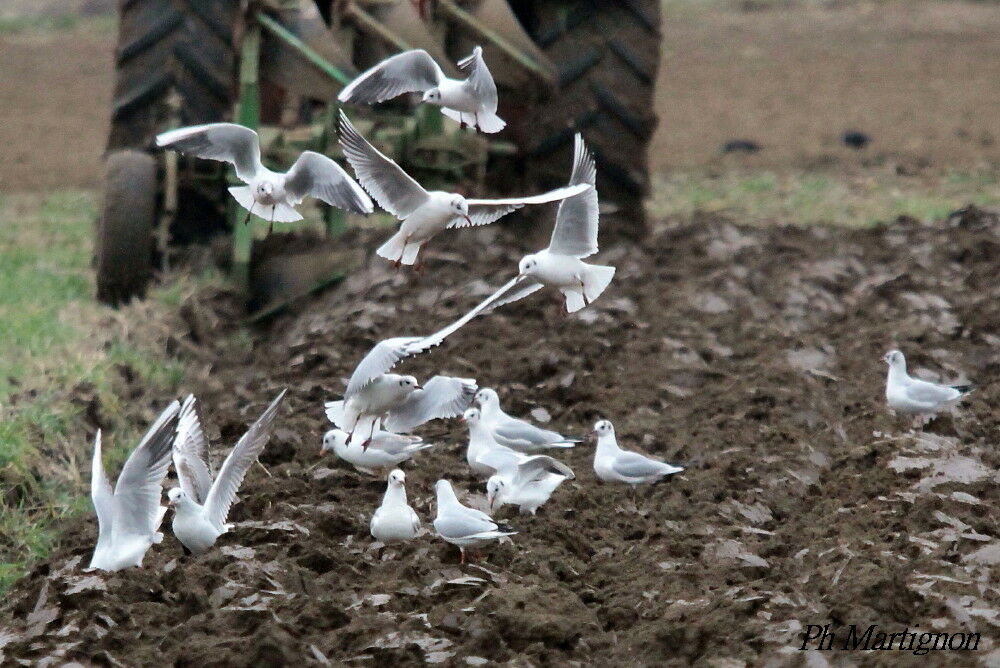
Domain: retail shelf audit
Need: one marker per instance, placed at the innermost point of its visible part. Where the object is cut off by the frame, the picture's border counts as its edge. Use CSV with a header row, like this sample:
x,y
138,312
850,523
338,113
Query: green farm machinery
x,y
561,66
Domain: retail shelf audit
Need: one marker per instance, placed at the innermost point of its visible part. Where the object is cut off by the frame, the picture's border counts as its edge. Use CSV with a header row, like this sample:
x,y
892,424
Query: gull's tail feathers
x,y
596,279
490,123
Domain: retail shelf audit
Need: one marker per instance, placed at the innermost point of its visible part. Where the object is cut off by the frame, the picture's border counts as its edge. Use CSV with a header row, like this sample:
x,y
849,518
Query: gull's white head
x,y
459,207
527,265
604,428
175,496
408,383
433,96
332,439
895,359
487,397
471,415
265,189
397,478
496,488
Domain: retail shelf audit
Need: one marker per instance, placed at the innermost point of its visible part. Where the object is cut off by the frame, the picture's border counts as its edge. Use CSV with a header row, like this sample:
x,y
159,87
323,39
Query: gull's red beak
x,y
467,219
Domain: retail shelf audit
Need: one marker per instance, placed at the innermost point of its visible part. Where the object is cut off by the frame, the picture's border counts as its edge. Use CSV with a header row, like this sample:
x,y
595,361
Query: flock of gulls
x,y
374,418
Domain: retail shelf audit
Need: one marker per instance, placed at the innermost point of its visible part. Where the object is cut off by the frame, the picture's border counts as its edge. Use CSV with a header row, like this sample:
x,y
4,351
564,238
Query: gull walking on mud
x,y
395,521
463,526
916,397
613,464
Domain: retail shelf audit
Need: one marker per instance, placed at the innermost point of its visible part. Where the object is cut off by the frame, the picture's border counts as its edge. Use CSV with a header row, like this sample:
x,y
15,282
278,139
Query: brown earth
x,y
751,355
917,75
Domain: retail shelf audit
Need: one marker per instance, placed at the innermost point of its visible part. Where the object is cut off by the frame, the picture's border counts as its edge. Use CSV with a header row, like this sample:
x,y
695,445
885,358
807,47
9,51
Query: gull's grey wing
x,y
227,142
480,80
239,461
407,72
392,188
318,176
536,466
457,523
441,397
102,496
386,354
514,290
575,231
634,465
395,444
379,360
138,489
486,211
191,453
519,431
924,392
501,458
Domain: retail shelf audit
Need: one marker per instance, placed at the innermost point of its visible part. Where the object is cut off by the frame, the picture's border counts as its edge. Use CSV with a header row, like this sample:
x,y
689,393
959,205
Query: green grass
x,y
808,198
59,351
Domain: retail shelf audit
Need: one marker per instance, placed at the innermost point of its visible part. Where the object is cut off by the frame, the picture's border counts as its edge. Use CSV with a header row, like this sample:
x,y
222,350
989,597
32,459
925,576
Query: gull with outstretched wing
x,y
425,213
200,514
471,101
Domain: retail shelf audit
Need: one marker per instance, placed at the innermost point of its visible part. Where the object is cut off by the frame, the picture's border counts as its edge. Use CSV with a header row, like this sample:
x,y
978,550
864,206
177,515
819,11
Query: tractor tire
x,y
607,55
124,247
165,47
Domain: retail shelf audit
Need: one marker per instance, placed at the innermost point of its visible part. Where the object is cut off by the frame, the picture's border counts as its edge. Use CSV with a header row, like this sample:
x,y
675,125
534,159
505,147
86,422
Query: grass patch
x,y
809,198
62,354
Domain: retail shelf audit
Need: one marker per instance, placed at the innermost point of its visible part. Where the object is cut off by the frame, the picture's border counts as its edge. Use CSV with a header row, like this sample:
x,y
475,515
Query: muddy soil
x,y
751,355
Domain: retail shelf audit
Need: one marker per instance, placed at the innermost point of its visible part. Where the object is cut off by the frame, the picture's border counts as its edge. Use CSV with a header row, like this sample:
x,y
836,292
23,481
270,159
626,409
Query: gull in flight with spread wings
x,y
129,517
312,175
201,505
574,237
425,214
472,101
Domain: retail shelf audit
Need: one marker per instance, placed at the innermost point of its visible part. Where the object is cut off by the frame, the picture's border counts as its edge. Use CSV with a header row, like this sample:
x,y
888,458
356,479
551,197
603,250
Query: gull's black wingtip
x,y
964,389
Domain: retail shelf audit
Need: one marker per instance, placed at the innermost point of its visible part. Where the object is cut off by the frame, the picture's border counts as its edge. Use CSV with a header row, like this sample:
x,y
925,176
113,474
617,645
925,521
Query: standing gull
x,y
470,102
425,214
200,504
395,520
400,402
574,237
515,433
913,396
484,455
612,464
312,175
129,517
527,484
463,526
385,449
